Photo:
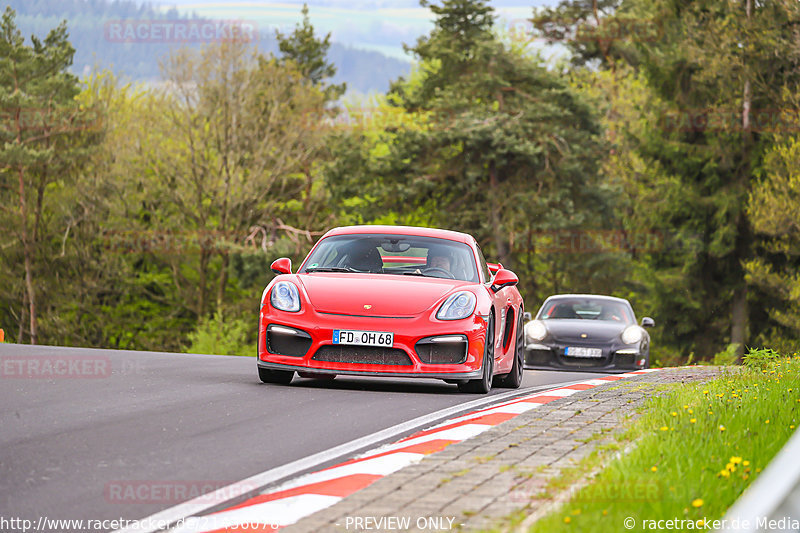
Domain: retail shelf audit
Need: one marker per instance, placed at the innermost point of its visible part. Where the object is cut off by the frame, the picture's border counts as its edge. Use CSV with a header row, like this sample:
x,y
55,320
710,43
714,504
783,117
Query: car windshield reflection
x,y
394,254
587,309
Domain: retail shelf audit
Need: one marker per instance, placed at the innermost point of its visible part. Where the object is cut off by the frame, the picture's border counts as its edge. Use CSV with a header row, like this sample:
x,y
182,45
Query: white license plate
x,y
579,351
363,338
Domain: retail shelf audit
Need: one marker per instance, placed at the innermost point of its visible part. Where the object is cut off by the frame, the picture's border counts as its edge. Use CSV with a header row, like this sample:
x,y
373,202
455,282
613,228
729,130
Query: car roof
x,y
597,296
403,230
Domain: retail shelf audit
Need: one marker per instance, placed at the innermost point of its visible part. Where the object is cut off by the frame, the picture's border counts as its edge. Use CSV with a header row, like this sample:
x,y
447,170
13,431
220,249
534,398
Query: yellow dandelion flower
x,y
664,428
791,427
691,412
766,421
731,467
724,473
722,428
693,420
745,463
736,460
673,413
567,520
705,392
605,513
653,468
697,503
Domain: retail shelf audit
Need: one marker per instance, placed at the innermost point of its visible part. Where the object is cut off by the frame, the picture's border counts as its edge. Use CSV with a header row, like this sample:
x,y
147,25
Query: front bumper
x,y
615,358
315,352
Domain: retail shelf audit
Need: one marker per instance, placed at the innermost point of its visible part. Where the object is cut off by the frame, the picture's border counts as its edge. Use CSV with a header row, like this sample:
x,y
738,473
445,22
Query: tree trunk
x,y
27,253
739,313
739,308
500,244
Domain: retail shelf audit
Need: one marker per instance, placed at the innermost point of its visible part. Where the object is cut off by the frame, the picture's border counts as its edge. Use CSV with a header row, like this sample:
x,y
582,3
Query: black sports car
x,y
587,332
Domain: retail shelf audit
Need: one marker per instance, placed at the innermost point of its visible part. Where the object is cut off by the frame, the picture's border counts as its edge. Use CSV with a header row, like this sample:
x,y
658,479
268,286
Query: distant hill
x,y
88,22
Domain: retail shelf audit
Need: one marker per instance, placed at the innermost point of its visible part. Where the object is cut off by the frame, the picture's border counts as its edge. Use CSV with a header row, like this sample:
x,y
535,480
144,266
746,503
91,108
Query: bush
x,y
222,337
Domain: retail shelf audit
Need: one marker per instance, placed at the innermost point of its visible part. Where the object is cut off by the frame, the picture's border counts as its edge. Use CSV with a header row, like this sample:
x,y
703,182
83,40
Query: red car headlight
x,y
457,306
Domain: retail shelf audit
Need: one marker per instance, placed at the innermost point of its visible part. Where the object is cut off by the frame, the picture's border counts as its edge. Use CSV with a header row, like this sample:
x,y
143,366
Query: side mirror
x,y
282,266
494,268
648,322
504,278
527,316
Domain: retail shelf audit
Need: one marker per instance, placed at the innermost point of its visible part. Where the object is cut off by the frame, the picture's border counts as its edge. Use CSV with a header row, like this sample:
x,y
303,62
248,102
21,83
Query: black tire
x,y
513,379
484,384
283,377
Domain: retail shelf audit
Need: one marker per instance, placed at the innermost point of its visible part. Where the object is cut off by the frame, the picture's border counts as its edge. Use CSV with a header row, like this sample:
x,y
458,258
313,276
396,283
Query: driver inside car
x,y
438,259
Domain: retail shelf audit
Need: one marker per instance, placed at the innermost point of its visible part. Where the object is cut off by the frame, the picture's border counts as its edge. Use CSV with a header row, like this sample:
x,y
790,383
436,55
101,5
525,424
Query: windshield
x,y
586,309
394,254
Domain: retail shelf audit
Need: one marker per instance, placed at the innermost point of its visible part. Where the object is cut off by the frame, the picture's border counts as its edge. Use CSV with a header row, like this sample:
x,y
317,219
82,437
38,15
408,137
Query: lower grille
x,y
366,355
539,357
624,359
287,341
442,353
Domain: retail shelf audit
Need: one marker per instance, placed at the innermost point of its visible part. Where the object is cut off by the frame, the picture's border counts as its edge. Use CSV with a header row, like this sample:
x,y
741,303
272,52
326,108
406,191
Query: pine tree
x,y
44,138
309,53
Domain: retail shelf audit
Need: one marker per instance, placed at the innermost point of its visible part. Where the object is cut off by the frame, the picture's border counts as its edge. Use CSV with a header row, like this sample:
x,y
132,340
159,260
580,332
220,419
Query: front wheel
x,y
484,383
283,377
513,379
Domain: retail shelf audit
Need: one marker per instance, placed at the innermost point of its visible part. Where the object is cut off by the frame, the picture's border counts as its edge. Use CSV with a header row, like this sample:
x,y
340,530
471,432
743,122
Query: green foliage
x,y
46,137
761,358
729,356
218,336
309,54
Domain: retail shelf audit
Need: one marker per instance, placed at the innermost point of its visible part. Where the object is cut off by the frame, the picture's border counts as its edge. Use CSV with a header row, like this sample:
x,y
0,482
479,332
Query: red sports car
x,y
393,301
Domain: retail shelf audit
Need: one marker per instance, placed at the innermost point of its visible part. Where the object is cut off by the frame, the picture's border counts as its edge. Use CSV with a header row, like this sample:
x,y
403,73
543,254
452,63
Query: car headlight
x,y
535,330
285,297
632,335
457,306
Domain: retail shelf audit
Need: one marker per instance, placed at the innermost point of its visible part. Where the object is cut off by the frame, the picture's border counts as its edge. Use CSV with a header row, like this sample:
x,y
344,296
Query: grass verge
x,y
698,446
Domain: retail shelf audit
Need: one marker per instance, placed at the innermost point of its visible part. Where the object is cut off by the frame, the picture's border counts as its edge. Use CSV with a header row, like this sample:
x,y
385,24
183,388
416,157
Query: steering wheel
x,y
447,273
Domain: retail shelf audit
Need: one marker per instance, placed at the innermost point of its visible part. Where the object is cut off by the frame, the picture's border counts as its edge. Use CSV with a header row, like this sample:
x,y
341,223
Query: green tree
x,y
309,53
714,70
774,208
487,141
44,140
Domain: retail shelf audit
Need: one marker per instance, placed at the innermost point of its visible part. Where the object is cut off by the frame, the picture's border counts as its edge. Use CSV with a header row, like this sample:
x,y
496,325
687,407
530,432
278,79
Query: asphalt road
x,y
81,431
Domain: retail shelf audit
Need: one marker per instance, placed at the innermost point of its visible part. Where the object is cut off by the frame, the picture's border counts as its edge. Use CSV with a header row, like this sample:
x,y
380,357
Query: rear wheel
x,y
484,383
267,375
513,379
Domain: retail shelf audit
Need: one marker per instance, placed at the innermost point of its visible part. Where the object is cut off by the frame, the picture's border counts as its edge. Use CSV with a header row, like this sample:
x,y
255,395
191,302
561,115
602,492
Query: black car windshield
x,y
586,309
394,254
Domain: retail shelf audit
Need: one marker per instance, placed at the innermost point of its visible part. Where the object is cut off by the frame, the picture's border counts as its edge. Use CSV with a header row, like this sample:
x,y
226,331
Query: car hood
x,y
574,330
386,294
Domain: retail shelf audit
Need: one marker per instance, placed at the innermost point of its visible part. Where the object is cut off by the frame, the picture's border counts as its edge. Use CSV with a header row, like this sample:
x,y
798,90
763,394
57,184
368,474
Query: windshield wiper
x,y
333,269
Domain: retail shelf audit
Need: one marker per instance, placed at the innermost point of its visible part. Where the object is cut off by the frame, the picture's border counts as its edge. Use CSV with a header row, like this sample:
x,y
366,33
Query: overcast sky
x,y
381,25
